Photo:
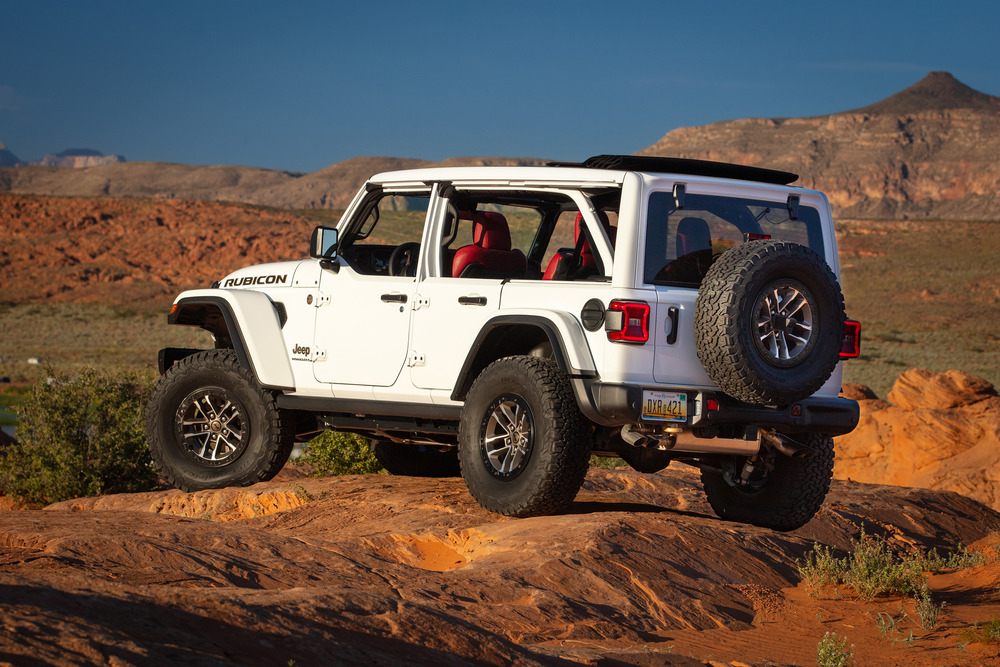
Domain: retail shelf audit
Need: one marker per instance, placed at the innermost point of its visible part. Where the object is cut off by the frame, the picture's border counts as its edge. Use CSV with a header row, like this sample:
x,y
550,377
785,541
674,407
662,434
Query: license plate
x,y
664,406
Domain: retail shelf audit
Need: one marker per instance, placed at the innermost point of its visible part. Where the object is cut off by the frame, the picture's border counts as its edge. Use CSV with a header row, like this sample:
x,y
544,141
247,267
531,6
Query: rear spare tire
x,y
769,322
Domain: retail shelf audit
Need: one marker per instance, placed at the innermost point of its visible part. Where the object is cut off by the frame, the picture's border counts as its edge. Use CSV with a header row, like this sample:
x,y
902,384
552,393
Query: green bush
x,y
80,436
335,453
832,651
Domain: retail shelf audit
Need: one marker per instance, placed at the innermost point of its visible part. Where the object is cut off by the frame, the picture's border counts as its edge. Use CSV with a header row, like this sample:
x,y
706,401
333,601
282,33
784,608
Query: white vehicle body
x,y
394,356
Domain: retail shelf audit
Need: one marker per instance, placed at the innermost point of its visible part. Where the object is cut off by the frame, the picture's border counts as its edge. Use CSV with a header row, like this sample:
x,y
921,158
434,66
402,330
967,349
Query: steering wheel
x,y
403,261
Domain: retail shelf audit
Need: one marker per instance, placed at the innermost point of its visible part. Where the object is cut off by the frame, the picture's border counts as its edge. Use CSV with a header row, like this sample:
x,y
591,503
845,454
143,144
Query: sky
x,y
301,85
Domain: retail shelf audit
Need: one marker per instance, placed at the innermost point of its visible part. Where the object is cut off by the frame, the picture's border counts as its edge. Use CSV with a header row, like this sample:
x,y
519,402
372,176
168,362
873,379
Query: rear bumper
x,y
618,404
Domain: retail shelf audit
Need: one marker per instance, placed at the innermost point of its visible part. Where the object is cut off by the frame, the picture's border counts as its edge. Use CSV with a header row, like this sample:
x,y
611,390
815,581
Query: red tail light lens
x,y
634,322
851,346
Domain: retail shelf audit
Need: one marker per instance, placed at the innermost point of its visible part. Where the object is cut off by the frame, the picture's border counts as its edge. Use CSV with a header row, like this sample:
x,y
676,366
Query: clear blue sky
x,y
301,85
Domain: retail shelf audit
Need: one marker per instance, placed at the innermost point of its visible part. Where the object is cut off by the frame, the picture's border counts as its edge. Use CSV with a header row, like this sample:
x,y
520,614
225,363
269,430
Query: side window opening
x,y
682,244
390,228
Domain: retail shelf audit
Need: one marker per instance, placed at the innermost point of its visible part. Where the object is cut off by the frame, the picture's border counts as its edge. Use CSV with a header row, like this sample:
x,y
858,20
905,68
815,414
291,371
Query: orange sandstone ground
x,y
392,570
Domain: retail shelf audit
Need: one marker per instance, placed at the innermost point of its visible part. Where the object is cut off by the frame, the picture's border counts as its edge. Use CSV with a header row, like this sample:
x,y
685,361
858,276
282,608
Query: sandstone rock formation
x,y
401,571
938,431
86,250
929,151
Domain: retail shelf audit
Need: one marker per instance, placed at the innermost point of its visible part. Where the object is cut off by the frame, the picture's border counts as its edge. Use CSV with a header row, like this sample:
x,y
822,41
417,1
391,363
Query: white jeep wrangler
x,y
505,323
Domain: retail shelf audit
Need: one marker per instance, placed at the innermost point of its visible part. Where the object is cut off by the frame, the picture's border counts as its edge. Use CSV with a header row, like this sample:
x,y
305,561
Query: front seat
x,y
490,254
579,262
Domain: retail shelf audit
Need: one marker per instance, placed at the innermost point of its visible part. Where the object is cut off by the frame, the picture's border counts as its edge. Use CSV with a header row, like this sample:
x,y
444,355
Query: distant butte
x,y
937,91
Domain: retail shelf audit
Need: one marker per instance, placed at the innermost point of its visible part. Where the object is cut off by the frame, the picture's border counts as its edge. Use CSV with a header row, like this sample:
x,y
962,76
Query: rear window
x,y
681,244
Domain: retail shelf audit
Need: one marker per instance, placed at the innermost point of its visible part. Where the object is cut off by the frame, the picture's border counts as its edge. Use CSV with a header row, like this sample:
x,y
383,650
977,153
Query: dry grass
x,y
927,295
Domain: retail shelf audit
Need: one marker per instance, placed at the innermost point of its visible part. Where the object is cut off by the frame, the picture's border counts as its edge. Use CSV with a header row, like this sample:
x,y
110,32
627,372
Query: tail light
x,y
850,348
628,321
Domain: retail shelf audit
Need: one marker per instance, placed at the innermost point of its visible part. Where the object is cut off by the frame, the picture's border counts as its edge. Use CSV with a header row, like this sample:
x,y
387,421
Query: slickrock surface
x,y
393,570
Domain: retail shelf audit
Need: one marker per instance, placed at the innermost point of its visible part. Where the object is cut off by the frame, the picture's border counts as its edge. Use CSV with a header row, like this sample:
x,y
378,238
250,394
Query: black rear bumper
x,y
617,404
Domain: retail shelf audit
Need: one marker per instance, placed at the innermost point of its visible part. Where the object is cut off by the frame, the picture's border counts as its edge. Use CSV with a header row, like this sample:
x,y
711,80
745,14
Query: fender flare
x,y
556,327
246,320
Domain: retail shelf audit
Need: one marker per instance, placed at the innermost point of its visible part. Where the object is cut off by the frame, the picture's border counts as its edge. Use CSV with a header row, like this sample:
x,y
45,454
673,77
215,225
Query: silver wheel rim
x,y
783,322
507,436
212,426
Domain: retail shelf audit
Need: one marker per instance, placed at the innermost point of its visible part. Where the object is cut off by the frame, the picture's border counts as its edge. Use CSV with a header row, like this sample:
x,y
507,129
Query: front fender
x,y
245,320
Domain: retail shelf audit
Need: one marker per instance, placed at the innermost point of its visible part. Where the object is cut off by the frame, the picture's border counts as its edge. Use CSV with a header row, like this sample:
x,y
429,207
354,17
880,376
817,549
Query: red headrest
x,y
490,230
605,222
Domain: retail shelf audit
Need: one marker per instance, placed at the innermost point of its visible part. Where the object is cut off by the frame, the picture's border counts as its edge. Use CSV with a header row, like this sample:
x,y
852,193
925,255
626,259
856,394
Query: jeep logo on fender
x,y
298,349
256,280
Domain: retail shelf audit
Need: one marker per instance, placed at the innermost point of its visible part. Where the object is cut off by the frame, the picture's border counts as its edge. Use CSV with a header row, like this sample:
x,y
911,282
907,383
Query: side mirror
x,y
323,243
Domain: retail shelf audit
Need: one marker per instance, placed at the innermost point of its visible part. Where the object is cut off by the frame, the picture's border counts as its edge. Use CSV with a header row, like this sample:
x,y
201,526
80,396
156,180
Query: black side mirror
x,y
323,246
323,243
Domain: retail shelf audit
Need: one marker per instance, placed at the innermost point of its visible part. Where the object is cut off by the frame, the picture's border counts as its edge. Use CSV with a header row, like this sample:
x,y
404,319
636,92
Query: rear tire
x,y
416,460
522,440
210,425
786,499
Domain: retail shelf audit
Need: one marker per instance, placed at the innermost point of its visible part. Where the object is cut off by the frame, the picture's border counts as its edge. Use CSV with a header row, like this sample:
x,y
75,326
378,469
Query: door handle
x,y
394,298
673,315
472,300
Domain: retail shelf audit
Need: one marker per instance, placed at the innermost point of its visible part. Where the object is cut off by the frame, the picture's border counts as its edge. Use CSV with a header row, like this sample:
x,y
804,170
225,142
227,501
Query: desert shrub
x,y
607,462
335,453
80,436
986,633
875,570
832,651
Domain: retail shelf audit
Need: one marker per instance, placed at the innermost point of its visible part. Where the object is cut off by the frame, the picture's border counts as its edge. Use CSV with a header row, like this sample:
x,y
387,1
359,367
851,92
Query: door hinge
x,y
319,355
421,302
415,359
318,299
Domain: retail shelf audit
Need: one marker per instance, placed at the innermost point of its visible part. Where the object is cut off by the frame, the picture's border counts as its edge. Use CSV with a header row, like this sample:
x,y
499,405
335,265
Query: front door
x,y
364,308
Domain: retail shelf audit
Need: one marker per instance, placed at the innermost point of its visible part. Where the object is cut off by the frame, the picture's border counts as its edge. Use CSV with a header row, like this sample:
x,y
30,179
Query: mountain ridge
x,y
926,152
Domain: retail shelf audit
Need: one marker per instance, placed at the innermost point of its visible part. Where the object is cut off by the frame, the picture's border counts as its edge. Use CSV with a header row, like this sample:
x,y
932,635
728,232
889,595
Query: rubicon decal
x,y
256,280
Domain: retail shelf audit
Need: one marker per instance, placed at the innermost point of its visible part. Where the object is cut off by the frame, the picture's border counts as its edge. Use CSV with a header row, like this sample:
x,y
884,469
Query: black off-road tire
x,y
790,496
192,395
553,432
728,322
415,460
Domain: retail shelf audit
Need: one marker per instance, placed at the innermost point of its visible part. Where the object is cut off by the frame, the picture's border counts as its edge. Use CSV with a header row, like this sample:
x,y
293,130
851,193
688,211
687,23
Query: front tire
x,y
523,448
785,498
210,425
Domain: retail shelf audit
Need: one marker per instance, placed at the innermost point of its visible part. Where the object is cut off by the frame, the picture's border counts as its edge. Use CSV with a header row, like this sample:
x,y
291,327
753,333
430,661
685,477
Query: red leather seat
x,y
567,264
490,255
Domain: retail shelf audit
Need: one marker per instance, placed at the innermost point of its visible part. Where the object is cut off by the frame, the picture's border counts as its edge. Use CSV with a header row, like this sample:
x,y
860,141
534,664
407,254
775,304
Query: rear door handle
x,y
394,298
472,300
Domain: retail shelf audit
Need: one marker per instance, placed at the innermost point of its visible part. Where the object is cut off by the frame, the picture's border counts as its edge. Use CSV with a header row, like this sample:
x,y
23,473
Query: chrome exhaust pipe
x,y
785,445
